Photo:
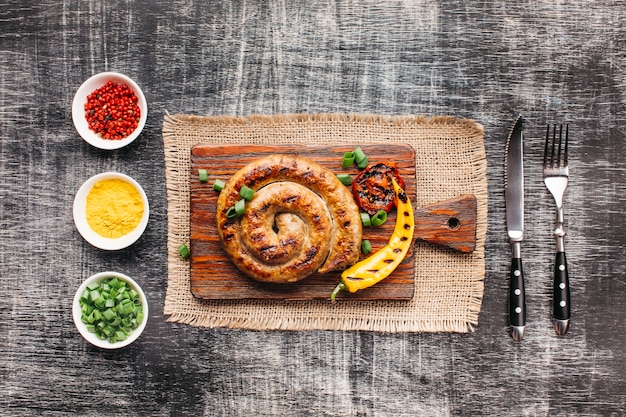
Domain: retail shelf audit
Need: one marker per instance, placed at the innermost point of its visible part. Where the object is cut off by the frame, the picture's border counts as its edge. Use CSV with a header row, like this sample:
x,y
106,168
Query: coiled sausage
x,y
300,220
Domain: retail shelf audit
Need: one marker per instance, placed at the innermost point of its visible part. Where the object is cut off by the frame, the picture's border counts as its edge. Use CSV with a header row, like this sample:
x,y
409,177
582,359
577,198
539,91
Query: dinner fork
x,y
556,176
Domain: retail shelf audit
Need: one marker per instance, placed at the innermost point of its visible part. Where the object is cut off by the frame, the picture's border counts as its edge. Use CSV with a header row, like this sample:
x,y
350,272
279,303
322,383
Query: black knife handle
x,y
561,298
517,295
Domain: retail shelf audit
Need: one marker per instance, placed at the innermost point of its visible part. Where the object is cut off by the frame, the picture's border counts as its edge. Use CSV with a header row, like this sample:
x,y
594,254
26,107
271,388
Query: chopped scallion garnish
x,y
345,179
359,155
218,185
230,213
203,175
365,219
379,218
366,246
240,207
246,193
348,160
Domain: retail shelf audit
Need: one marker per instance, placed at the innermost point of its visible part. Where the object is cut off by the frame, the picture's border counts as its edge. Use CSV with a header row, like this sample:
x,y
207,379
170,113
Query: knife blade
x,y
514,196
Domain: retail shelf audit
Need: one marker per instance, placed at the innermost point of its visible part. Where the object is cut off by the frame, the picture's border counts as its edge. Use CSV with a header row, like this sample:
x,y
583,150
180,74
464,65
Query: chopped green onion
x,y
237,210
365,219
218,185
348,160
94,295
100,302
128,307
345,179
240,207
203,175
363,163
230,213
116,317
109,314
366,246
246,193
184,252
379,218
359,155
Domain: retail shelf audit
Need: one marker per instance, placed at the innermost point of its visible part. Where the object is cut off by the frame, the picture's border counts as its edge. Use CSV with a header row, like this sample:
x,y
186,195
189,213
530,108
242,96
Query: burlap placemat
x,y
450,161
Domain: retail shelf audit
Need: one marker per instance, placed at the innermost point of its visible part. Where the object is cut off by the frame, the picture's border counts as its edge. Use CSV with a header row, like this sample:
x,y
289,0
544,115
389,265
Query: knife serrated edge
x,y
519,120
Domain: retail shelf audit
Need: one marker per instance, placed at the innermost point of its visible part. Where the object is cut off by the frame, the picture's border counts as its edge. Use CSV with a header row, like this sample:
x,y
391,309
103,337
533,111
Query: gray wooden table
x,y
489,61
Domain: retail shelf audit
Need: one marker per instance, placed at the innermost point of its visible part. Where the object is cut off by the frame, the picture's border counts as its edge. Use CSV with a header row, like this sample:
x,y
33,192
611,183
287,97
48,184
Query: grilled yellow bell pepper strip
x,y
377,267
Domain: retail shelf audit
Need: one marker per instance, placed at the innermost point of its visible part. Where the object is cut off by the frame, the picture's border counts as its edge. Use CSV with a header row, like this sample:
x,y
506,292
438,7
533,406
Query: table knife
x,y
514,194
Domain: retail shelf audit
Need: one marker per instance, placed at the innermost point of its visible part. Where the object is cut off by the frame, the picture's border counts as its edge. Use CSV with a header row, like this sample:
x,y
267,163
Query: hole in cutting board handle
x,y
454,223
450,223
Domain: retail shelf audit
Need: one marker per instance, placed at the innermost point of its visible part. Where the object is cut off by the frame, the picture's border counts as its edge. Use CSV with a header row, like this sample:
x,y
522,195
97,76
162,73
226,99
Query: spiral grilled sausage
x,y
300,220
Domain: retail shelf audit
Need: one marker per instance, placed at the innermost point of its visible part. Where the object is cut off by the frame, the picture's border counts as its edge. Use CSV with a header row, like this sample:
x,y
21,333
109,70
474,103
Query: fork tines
x,y
551,146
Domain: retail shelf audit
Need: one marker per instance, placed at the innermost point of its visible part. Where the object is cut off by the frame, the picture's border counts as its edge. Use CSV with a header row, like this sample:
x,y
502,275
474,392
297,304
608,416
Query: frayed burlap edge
x,y
181,132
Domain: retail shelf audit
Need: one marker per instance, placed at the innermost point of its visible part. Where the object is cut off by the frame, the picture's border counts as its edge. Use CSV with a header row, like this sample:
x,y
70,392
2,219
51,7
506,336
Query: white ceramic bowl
x,y
91,337
78,110
80,217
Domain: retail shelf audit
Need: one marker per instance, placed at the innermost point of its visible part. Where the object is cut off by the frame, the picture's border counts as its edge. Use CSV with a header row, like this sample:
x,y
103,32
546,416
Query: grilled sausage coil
x,y
300,220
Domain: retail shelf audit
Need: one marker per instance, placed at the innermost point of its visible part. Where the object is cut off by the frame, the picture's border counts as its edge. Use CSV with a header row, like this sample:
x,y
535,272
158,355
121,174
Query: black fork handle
x,y
561,295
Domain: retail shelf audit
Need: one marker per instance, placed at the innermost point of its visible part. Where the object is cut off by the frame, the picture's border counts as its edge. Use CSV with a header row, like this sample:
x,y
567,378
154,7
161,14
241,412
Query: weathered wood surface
x,y
214,276
550,61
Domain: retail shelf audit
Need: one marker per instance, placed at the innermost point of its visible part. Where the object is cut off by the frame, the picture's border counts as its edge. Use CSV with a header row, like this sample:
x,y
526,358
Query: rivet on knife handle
x,y
517,295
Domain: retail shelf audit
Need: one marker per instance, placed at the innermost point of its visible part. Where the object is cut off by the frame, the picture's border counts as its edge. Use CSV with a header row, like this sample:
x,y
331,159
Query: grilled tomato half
x,y
373,189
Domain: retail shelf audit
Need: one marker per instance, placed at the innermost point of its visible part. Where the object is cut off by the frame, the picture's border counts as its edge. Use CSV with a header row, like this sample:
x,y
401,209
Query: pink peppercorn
x,y
112,111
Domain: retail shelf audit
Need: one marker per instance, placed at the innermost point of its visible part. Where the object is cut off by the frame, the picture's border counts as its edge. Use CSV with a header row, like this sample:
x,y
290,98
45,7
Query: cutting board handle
x,y
450,223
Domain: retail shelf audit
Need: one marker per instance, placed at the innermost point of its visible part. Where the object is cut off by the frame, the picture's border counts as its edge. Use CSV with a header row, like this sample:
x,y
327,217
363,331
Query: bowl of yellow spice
x,y
111,211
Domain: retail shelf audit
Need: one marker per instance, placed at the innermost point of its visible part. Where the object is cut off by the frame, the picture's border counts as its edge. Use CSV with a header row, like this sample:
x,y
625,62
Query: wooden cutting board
x,y
212,274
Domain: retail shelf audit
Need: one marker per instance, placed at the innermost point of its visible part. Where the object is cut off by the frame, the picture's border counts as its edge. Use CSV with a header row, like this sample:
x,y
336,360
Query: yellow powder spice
x,y
114,208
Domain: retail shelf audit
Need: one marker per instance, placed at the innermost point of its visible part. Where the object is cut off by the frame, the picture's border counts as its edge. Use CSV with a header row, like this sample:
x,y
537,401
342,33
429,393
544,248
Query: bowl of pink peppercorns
x,y
109,110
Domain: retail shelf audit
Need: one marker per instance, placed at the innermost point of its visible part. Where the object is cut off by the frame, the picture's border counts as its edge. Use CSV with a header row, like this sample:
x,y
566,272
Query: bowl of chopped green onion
x,y
110,310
